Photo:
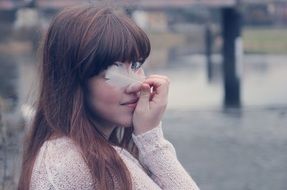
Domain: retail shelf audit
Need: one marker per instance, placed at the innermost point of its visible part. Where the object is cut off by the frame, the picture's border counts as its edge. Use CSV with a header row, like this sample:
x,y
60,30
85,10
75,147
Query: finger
x,y
143,102
160,88
157,82
160,77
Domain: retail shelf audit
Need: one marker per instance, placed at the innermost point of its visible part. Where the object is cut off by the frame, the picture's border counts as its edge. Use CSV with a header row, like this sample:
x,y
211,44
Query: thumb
x,y
144,96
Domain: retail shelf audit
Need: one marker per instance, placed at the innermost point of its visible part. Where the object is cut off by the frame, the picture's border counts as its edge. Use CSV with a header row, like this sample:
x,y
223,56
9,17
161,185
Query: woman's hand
x,y
151,104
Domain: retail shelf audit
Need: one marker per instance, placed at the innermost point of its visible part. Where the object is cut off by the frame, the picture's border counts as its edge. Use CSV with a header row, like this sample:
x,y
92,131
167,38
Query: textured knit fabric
x,y
60,166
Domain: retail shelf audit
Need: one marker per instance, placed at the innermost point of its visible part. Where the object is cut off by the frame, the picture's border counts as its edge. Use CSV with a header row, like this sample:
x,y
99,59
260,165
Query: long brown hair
x,y
81,42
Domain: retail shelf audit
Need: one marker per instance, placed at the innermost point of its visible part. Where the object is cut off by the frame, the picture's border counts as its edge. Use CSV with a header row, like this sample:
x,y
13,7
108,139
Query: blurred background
x,y
227,61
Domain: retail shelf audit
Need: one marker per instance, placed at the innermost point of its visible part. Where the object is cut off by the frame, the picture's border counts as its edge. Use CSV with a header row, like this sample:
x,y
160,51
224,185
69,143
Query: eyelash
x,y
136,67
133,67
117,64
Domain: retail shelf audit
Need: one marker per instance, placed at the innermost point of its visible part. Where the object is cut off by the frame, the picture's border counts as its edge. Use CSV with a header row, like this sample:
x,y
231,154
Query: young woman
x,y
92,129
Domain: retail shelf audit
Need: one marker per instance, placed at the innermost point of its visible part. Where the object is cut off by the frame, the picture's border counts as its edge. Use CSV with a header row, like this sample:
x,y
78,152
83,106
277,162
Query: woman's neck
x,y
106,128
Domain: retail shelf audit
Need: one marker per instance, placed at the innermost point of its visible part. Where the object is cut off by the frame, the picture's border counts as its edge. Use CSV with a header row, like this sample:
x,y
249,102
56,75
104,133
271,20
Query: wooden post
x,y
208,50
232,54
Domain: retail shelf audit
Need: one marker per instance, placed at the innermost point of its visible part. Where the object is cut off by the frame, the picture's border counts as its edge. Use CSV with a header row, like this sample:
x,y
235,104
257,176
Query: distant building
x,y
272,13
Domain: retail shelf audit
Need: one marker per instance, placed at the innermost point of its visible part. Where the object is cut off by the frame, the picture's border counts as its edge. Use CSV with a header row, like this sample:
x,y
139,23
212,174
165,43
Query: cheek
x,y
104,96
105,103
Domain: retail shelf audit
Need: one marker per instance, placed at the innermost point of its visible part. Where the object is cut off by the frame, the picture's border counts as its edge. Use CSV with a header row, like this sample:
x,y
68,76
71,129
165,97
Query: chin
x,y
128,122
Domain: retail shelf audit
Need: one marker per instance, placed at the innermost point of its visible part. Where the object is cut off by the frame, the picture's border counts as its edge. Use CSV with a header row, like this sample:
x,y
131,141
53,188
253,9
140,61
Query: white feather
x,y
122,76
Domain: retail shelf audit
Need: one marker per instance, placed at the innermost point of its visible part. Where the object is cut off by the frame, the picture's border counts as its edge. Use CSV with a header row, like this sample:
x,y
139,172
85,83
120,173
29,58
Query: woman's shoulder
x,y
63,164
61,144
60,155
62,151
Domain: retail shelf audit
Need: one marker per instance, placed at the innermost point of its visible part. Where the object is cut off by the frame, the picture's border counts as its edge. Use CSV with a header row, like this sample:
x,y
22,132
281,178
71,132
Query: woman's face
x,y
112,105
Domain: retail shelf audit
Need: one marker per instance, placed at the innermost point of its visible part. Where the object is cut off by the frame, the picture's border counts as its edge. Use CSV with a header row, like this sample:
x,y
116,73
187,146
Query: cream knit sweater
x,y
59,165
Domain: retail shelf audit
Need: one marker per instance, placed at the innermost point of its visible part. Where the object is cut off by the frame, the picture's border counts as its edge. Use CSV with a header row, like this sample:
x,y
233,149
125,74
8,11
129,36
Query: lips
x,y
133,101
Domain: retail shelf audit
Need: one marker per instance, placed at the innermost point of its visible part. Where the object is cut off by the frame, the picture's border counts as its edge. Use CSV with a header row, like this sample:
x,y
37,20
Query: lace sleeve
x,y
66,169
158,154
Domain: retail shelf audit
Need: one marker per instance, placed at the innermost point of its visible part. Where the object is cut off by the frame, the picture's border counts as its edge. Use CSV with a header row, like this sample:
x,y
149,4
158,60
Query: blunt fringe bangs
x,y
113,37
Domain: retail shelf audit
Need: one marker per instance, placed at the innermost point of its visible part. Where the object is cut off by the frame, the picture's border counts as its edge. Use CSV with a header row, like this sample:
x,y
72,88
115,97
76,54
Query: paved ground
x,y
231,150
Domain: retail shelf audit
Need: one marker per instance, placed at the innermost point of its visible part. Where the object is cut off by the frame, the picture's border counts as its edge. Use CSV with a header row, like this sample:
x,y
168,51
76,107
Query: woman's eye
x,y
135,65
117,63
